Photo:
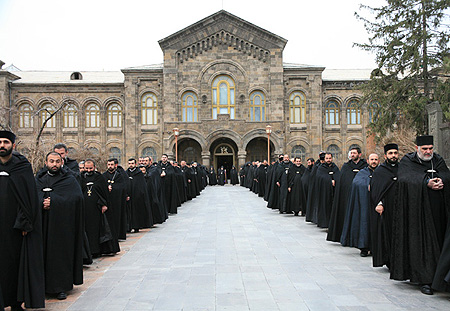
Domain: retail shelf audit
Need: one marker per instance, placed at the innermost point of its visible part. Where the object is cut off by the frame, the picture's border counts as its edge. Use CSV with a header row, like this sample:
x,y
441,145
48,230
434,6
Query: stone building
x,y
221,82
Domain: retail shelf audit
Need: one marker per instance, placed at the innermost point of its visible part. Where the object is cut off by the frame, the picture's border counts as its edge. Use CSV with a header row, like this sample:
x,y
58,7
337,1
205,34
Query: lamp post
x,y
268,131
176,132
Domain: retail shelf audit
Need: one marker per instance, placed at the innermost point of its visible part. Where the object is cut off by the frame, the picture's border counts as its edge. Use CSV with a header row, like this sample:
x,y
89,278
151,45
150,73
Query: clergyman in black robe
x,y
234,179
356,231
62,217
21,255
420,218
282,183
305,181
274,190
342,193
190,184
323,191
212,177
221,176
169,185
296,198
139,211
95,192
117,180
155,194
71,164
261,176
383,202
181,183
310,197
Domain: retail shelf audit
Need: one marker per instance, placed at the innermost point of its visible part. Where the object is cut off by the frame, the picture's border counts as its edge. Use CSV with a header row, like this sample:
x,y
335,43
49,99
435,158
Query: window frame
x,y
114,115
353,109
92,114
332,105
25,115
293,106
231,96
253,107
70,110
185,107
145,109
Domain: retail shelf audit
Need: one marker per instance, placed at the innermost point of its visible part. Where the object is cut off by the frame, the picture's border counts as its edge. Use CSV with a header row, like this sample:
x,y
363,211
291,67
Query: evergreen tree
x,y
409,39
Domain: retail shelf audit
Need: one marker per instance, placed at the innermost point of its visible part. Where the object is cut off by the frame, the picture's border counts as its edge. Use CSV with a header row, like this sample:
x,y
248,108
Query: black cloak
x,y
139,211
212,177
62,230
221,177
323,193
234,179
310,198
72,165
383,188
117,202
190,182
261,176
341,195
282,183
274,190
296,198
441,279
159,212
356,231
420,219
22,276
169,187
181,184
95,192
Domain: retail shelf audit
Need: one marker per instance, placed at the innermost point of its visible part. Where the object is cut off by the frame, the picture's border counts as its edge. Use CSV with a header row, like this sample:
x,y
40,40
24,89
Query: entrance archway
x,y
224,153
257,150
189,150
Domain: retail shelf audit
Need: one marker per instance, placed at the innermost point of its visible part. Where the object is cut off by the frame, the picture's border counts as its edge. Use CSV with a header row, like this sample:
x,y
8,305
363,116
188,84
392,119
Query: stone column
x,y
434,124
206,159
241,158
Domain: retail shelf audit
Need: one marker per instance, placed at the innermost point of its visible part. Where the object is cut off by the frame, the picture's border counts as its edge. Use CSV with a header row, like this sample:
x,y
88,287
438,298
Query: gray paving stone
x,y
236,254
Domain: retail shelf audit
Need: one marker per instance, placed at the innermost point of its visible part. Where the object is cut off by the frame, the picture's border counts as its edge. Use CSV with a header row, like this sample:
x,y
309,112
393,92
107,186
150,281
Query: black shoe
x,y
426,289
61,296
364,253
295,213
17,307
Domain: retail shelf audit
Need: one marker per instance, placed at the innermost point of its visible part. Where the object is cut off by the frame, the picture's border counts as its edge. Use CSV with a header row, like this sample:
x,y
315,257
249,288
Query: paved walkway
x,y
226,251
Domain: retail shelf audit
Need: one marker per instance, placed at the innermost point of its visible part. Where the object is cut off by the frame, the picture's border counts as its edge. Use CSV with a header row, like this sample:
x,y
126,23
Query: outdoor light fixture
x,y
268,131
176,133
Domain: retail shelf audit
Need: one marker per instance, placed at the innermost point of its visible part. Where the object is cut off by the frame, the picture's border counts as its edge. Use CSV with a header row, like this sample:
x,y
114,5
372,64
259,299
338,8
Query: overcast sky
x,y
81,35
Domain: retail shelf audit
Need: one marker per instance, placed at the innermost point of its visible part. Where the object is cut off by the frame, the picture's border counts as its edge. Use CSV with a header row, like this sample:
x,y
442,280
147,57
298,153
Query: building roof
x,y
63,77
146,67
346,74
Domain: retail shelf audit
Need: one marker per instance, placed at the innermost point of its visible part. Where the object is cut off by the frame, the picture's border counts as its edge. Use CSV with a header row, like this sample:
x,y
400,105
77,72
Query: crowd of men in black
x,y
53,223
397,211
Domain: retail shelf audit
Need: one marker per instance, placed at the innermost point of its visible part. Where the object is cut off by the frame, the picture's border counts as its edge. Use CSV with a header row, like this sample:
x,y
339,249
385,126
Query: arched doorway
x,y
257,150
189,150
224,153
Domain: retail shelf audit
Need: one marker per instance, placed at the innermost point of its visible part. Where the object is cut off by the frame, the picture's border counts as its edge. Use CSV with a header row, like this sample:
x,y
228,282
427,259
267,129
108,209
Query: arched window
x,y
189,107
150,152
297,107
46,111
114,115
92,115
70,116
257,106
353,112
25,116
115,152
374,110
149,106
93,151
335,151
223,96
299,152
332,113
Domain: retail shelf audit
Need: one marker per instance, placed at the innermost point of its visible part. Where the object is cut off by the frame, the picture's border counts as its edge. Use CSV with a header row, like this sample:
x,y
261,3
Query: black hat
x,y
390,147
8,135
424,140
322,155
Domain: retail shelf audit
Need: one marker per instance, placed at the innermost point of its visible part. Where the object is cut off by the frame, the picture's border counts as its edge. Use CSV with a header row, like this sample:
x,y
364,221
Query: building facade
x,y
221,82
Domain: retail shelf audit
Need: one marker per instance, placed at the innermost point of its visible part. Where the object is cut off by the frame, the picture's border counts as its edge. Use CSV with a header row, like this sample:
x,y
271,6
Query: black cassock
x,y
282,179
139,210
305,184
269,180
95,192
190,183
181,184
310,199
21,257
296,198
212,177
441,279
341,195
72,165
323,193
62,230
234,179
356,231
261,173
221,177
383,187
242,176
419,220
117,202
274,190
169,187
155,194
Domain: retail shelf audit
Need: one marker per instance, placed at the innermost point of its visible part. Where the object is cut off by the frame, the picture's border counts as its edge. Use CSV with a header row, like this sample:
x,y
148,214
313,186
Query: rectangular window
x,y
296,115
195,114
257,114
184,114
215,113
189,114
232,113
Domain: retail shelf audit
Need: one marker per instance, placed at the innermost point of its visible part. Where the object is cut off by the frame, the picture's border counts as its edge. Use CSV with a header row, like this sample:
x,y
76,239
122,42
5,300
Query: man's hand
x,y
289,189
333,183
109,188
104,209
278,184
435,184
24,233
189,180
163,174
379,209
46,203
128,198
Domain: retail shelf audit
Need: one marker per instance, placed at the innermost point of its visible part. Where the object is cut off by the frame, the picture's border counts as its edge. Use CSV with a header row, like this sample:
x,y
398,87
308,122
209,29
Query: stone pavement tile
x,y
231,299
346,300
354,308
292,306
321,305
